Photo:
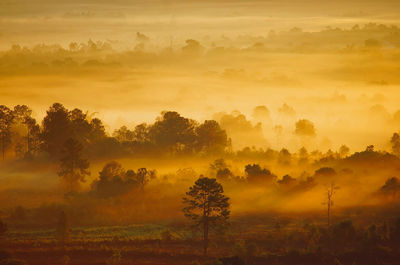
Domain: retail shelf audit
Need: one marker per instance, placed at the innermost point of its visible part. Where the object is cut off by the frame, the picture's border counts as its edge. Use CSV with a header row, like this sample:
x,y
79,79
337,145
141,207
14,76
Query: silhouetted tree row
x,y
62,128
18,130
113,180
174,134
170,134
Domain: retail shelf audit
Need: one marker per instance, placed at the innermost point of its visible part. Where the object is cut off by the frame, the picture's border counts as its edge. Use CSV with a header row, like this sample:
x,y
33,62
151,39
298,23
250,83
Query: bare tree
x,y
330,192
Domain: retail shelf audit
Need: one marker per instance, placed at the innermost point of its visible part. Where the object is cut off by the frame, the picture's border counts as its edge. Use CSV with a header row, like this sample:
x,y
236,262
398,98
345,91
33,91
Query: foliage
x,y
113,180
391,187
6,118
255,173
206,206
73,167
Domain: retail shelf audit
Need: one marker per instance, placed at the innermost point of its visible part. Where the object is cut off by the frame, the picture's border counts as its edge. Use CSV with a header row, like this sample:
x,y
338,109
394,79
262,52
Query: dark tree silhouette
x,y
395,142
325,172
80,126
30,142
303,155
284,157
330,192
56,129
33,136
111,181
344,151
257,174
61,124
141,133
221,169
97,132
114,180
224,174
218,164
305,128
287,180
211,138
206,206
173,133
73,167
143,176
123,134
391,187
6,119
370,148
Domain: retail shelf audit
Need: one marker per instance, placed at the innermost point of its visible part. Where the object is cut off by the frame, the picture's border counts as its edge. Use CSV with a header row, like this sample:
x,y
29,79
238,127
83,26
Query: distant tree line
x,y
170,134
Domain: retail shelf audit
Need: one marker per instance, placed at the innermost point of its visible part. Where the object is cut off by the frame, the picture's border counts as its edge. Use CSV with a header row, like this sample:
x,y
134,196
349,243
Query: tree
x,y
113,180
192,48
141,133
287,181
224,174
123,134
256,174
98,131
33,136
344,151
173,133
325,172
221,169
206,206
73,167
60,124
80,126
56,129
305,128
391,187
284,157
303,155
395,142
330,191
143,176
6,119
370,148
261,114
218,164
29,140
211,138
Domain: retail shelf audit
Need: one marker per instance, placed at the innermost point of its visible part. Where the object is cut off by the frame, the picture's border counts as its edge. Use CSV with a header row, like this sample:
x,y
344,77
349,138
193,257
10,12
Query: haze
x,y
111,110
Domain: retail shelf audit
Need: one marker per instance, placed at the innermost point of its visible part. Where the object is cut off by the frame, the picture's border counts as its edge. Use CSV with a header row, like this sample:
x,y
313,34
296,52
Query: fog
x,y
274,75
342,80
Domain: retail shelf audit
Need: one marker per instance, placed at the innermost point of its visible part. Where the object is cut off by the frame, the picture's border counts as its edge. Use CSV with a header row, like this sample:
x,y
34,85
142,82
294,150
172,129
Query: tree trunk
x,y
28,142
329,213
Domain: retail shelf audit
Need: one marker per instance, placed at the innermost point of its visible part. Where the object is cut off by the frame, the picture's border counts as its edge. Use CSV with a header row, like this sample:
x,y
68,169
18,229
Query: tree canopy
x,y
206,206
